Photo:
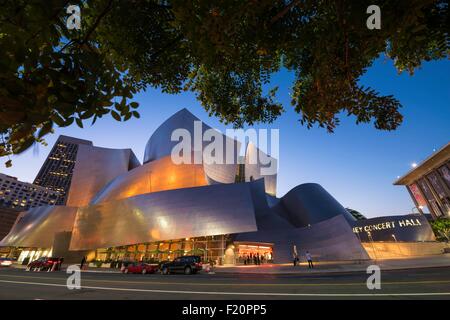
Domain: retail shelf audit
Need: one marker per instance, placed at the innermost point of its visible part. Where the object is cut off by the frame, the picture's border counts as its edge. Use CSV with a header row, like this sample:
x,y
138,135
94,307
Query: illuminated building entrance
x,y
210,248
245,251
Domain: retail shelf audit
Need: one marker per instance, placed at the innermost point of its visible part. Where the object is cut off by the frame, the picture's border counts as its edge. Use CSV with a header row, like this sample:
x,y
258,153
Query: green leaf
x,y
69,121
58,120
116,116
24,146
47,128
136,114
79,122
127,116
86,115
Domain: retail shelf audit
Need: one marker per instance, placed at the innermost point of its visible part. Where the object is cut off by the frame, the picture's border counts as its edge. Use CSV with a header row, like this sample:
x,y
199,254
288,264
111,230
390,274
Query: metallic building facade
x,y
174,214
163,141
115,202
37,227
155,176
94,168
8,217
309,203
256,162
328,240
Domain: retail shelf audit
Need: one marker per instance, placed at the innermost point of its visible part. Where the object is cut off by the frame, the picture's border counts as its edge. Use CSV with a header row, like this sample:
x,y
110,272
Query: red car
x,y
44,264
140,267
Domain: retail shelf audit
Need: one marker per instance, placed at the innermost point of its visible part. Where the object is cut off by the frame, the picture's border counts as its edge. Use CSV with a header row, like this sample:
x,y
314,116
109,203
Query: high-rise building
x,y
23,195
56,172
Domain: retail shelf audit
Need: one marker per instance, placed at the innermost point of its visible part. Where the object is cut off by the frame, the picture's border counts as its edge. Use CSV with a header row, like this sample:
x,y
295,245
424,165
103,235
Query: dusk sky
x,y
357,164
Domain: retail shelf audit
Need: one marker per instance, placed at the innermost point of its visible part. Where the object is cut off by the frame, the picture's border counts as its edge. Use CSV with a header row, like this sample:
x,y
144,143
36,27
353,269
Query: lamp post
x,y
360,254
398,246
419,209
369,235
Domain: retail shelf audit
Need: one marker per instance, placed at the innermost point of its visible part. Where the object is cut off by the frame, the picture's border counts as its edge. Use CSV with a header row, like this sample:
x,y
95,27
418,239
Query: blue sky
x,y
357,164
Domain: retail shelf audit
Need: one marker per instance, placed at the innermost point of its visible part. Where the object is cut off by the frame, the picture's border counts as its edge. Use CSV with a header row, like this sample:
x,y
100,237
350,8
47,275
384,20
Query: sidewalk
x,y
340,266
319,267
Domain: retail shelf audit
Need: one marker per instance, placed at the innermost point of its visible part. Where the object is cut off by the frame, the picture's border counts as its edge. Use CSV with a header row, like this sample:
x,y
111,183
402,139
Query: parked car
x,y
6,262
186,265
140,267
44,264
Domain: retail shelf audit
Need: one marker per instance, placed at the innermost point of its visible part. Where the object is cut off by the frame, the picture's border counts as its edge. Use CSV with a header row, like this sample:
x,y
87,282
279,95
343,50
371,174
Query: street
x,y
427,283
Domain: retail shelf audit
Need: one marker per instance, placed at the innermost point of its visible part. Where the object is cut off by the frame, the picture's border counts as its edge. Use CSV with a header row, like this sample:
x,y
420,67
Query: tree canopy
x,y
223,51
441,228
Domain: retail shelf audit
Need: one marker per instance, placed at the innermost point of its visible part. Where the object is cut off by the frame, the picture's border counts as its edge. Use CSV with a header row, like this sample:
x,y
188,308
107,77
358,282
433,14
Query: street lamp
x,y
398,245
369,235
419,209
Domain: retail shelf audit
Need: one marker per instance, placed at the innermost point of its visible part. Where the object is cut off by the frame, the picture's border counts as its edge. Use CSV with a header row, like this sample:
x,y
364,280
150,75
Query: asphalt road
x,y
431,283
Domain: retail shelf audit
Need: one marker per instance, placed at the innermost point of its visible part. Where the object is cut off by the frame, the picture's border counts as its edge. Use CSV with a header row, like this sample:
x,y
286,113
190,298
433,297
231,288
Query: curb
x,y
324,272
95,271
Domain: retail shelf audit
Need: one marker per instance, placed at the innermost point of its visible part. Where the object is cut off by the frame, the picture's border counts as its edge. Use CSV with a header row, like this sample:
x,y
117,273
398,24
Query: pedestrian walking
x,y
60,262
83,261
309,259
295,255
294,259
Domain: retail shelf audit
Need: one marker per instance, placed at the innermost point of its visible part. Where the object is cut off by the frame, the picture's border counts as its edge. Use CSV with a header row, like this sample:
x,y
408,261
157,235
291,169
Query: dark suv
x,y
186,265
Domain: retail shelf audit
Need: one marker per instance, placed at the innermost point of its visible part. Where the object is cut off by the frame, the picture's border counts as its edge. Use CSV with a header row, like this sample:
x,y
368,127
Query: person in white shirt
x,y
309,258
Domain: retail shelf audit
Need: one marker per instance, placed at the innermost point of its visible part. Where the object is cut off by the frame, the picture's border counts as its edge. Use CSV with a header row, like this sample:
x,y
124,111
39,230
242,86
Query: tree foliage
x,y
441,228
223,51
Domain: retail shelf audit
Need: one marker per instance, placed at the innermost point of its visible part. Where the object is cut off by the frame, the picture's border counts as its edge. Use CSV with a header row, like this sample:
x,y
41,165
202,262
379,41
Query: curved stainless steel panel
x,y
175,214
160,145
94,168
309,203
37,227
253,168
329,240
158,175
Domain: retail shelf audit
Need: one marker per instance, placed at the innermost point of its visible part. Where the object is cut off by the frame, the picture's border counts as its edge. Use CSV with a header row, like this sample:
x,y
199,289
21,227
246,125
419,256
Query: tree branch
x,y
51,19
283,12
97,22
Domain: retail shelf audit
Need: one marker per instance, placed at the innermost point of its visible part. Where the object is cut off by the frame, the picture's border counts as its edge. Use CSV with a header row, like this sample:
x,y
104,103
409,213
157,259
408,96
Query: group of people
x,y
296,259
256,258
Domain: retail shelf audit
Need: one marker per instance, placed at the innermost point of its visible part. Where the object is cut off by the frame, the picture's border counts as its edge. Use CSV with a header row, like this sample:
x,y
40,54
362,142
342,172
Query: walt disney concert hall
x,y
114,208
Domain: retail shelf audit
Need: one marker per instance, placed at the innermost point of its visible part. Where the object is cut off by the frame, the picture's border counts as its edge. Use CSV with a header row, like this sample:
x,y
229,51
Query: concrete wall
x,y
392,250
